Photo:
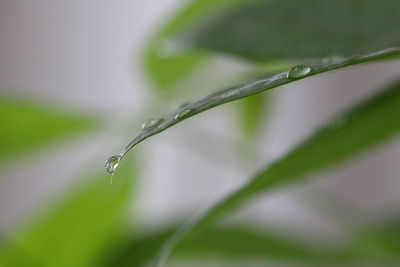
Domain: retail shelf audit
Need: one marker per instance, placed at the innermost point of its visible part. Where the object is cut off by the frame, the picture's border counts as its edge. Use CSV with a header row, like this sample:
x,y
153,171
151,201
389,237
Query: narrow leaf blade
x,y
250,88
366,125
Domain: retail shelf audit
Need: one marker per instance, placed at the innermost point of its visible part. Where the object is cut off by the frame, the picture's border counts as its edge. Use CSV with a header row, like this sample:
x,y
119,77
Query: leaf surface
x,y
292,29
76,231
367,124
231,243
26,125
166,61
253,87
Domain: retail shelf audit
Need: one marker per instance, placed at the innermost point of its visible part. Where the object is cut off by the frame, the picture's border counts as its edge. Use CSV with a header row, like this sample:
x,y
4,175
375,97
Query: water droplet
x,y
182,114
112,162
298,72
111,179
150,123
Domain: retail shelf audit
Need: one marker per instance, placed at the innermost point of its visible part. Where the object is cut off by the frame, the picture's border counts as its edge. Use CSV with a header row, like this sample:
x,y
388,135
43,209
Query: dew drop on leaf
x,y
298,72
150,123
112,162
182,114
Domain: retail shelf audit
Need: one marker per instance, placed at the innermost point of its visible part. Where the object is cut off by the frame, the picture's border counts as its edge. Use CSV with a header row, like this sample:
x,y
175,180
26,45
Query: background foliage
x,y
281,42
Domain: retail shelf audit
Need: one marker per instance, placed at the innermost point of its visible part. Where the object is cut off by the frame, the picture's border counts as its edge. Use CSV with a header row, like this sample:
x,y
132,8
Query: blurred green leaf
x,y
377,245
77,232
241,243
232,243
253,87
383,239
26,125
348,134
166,62
252,111
292,29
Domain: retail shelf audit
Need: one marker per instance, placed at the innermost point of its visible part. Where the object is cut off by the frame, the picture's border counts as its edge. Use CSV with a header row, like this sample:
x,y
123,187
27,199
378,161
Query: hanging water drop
x,y
182,114
298,72
150,123
112,162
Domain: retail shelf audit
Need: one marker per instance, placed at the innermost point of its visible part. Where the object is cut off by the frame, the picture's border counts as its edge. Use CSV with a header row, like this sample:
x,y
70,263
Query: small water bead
x,y
182,114
112,162
298,72
150,123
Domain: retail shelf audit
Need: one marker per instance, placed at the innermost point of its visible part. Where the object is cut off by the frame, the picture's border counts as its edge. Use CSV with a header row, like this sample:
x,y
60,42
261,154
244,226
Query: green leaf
x,y
240,242
230,243
383,239
352,132
292,29
375,243
253,87
26,125
166,62
252,111
78,231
